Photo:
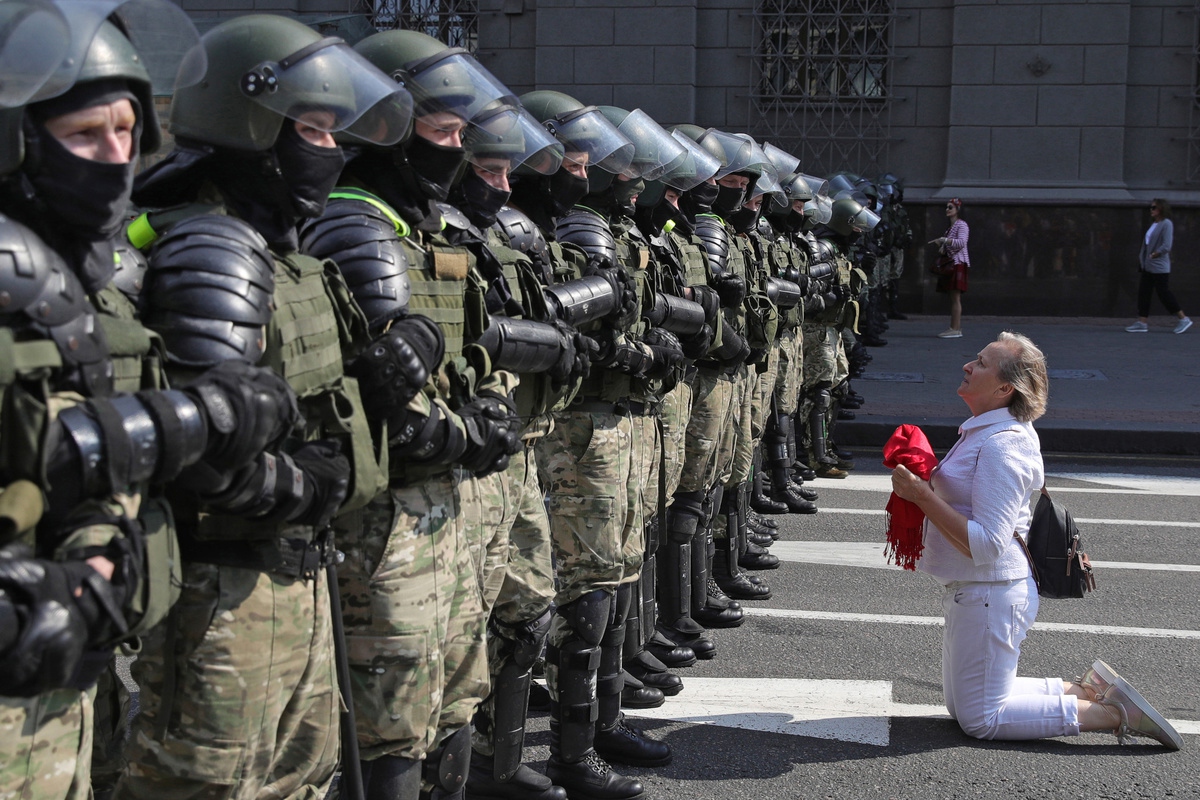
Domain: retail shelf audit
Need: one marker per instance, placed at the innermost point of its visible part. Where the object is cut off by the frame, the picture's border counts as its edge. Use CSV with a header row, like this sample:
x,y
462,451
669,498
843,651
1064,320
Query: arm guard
x,y
209,289
783,294
523,346
584,300
733,349
366,246
679,316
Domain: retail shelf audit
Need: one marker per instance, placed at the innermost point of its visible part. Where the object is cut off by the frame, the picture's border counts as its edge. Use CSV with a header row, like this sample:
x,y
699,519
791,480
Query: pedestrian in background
x,y
954,245
1154,268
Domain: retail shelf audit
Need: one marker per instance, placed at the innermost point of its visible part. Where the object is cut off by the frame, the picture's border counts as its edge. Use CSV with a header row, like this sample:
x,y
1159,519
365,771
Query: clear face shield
x,y
454,82
507,138
740,153
331,87
587,131
698,166
793,188
656,152
165,39
784,162
841,183
767,184
819,209
34,39
818,186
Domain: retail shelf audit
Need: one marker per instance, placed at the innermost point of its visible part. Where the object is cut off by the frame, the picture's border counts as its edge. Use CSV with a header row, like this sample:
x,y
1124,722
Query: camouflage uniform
x,y
248,641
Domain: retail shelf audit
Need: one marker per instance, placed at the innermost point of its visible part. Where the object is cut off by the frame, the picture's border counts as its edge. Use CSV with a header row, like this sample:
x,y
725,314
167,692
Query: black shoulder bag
x,y
1060,568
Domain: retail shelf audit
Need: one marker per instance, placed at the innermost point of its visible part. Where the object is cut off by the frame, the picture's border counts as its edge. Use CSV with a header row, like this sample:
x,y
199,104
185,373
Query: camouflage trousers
x,y
586,463
841,364
414,619
735,456
897,264
791,372
643,491
46,746
879,275
712,403
765,391
674,413
526,577
821,344
238,692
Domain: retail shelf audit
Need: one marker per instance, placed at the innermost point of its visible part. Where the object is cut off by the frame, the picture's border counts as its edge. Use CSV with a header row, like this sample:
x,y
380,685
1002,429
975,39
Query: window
x,y
823,80
455,22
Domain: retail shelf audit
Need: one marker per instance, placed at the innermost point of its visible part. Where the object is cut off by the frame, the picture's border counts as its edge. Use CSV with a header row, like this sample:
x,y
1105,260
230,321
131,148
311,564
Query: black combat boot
x,y
675,563
525,782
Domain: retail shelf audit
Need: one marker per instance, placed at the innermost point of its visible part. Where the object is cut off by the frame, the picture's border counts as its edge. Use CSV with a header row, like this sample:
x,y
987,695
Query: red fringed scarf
x,y
910,447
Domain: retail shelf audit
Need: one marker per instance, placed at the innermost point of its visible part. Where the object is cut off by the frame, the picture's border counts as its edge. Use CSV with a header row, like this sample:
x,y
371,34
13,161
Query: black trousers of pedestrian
x,y
1156,282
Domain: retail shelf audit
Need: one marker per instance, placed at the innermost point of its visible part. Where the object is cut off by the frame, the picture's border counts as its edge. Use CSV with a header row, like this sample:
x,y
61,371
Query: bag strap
x,y
1037,579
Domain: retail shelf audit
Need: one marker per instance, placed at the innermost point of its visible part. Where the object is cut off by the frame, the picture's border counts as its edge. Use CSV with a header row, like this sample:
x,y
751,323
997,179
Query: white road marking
x,y
901,619
1128,523
870,555
1107,484
842,710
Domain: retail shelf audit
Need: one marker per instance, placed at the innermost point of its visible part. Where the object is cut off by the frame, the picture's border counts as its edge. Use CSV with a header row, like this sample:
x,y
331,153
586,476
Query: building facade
x,y
1055,122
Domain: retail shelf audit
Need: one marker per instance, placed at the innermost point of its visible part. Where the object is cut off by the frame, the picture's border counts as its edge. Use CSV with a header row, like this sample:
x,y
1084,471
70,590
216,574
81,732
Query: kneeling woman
x,y
975,500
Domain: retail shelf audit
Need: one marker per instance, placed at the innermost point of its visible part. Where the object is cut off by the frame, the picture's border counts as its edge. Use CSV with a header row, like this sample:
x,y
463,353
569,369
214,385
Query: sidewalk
x,y
1110,391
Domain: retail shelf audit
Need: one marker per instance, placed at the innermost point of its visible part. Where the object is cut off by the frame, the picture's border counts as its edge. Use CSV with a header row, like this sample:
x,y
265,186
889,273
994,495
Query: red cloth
x,y
910,447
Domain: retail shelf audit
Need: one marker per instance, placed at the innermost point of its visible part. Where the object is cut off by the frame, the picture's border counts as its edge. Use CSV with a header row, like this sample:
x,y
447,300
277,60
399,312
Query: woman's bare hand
x,y
908,486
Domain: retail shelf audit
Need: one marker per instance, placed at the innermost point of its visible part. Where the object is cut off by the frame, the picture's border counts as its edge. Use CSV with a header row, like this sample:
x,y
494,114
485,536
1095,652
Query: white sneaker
x,y
1139,327
1183,325
950,333
1138,717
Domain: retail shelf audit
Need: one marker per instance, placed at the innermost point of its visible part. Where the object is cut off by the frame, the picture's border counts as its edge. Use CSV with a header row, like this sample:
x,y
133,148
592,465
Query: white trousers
x,y
985,625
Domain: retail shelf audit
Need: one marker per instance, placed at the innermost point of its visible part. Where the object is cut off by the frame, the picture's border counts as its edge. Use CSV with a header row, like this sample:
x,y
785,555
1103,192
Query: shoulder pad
x,y
39,293
589,232
209,290
823,251
523,235
715,239
131,268
368,251
765,230
454,218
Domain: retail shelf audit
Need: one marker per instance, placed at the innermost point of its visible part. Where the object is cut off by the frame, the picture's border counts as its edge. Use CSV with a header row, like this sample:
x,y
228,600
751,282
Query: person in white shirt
x,y
975,503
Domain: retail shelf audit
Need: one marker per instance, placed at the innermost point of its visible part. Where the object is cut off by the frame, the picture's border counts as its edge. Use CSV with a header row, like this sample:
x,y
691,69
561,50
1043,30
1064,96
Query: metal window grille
x,y
823,81
455,22
1193,139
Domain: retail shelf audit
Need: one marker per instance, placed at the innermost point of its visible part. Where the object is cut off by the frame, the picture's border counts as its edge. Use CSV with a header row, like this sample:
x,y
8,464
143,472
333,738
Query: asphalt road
x,y
833,687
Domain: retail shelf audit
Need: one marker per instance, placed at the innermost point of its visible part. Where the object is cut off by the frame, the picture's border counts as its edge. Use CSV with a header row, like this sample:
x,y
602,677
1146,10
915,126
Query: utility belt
x,y
285,557
623,408
712,366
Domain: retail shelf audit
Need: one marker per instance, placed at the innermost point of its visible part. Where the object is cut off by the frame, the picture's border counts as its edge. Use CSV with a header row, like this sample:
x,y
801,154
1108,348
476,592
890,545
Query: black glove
x,y
619,355
843,292
396,365
696,346
576,360
804,282
249,409
623,285
667,353
731,288
326,482
54,627
493,432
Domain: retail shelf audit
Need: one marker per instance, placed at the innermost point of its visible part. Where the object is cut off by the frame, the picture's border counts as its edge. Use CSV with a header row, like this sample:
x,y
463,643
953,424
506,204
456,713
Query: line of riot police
x,y
384,387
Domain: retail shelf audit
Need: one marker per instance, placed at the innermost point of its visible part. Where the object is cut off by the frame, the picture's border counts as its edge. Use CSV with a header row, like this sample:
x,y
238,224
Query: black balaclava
x,y
743,220
566,190
729,200
625,193
698,200
77,205
478,199
436,166
545,198
276,188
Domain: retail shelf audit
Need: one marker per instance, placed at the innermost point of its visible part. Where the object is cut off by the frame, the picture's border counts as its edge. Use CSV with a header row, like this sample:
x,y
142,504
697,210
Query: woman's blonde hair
x,y
1025,370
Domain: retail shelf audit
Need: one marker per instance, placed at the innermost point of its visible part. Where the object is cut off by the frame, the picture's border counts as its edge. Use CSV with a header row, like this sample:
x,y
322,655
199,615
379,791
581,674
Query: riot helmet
x,y
655,153
498,142
587,135
264,69
848,216
784,162
34,39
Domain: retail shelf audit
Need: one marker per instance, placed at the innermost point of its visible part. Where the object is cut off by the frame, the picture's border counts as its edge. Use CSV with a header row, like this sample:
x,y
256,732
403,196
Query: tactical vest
x,y
782,262
691,255
762,316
